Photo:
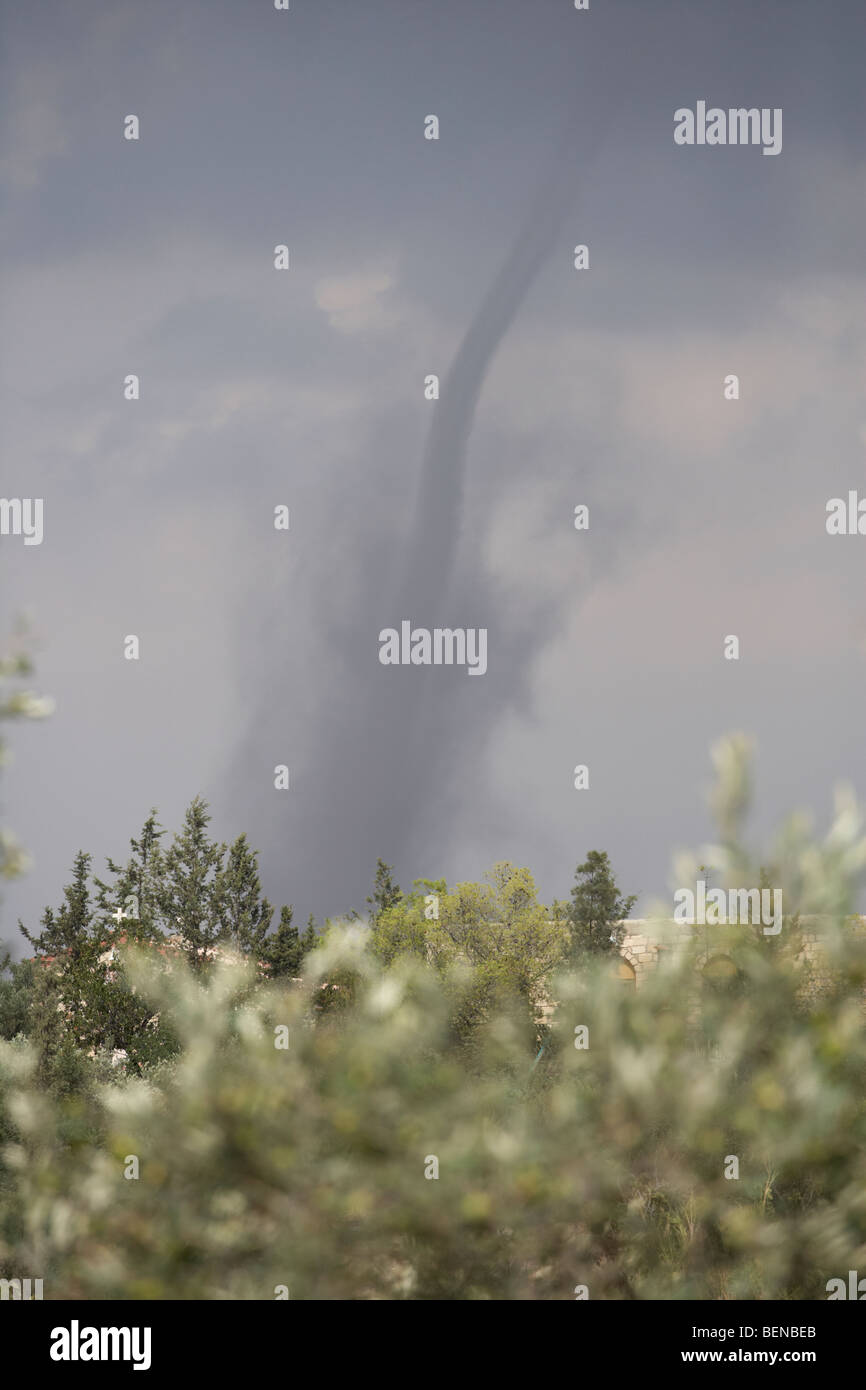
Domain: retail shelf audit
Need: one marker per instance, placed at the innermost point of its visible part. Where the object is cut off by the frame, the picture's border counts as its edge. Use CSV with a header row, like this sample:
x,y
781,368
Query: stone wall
x,y
646,939
644,942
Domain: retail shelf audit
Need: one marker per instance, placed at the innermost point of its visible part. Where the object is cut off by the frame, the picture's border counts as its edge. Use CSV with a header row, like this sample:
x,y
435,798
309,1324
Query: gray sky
x,y
306,388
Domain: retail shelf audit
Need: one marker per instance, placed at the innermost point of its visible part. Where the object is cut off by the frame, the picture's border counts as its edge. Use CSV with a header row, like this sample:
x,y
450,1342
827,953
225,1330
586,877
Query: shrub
x,y
608,1166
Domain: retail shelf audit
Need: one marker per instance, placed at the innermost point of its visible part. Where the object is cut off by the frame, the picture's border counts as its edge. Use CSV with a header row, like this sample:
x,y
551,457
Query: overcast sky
x,y
306,387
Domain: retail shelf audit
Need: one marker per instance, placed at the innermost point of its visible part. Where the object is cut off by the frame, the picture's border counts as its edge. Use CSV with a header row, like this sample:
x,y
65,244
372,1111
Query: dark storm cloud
x,y
558,387
383,756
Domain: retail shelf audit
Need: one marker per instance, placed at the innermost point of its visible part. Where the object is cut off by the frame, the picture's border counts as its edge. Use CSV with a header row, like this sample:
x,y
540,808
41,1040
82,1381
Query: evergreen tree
x,y
310,938
386,893
68,932
597,911
189,898
137,888
283,951
75,1005
81,1000
244,914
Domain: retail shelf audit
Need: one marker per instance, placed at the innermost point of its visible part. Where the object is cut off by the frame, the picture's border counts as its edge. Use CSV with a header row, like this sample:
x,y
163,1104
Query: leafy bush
x,y
313,1165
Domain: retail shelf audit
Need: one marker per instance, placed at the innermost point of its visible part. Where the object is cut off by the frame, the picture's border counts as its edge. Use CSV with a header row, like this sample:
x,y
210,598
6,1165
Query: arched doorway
x,y
720,974
624,971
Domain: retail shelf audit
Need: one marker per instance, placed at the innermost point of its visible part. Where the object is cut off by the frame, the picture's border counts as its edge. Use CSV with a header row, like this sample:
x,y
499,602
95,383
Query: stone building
x,y
646,939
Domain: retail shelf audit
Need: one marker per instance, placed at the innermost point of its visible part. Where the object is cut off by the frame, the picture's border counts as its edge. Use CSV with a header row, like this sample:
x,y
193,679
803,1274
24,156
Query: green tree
x,y
137,889
80,999
283,951
400,930
189,896
597,911
498,928
244,914
310,938
114,1016
386,893
67,934
499,922
67,999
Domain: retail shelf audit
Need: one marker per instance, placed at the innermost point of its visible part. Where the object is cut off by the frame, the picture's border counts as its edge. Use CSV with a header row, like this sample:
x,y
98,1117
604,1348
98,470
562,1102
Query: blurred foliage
x,y
16,703
303,1165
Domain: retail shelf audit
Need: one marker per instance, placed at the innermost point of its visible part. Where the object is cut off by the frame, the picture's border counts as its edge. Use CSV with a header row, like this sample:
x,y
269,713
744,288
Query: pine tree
x,y
189,898
244,914
65,996
68,932
386,893
310,938
137,888
83,1001
283,951
597,911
